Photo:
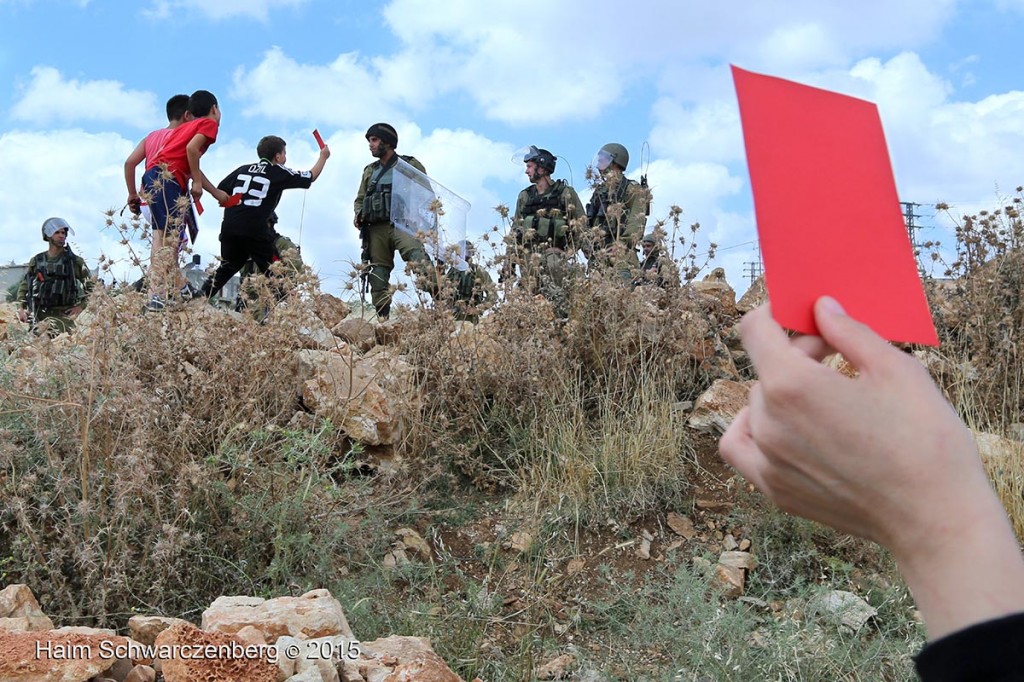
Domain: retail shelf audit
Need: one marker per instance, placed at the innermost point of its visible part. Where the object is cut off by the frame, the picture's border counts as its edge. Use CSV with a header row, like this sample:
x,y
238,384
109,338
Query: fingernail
x,y
831,306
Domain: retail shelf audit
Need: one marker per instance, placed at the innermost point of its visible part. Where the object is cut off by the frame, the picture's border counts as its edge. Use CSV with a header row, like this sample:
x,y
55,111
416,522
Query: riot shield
x,y
431,212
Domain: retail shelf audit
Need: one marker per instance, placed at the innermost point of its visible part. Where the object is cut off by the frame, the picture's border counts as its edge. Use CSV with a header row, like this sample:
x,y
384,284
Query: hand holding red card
x,y
319,140
233,200
828,215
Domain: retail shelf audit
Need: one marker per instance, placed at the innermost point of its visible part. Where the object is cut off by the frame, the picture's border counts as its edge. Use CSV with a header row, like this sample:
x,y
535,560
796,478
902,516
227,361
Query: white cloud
x,y
708,132
72,174
343,93
50,98
219,10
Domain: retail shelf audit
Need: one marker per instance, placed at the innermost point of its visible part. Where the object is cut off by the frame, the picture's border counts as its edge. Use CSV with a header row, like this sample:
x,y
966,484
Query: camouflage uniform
x,y
372,207
545,234
472,291
53,287
658,269
616,215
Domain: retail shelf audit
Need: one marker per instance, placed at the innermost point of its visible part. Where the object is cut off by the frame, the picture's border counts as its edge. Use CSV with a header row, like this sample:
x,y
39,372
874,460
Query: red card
x,y
319,140
828,215
199,206
233,200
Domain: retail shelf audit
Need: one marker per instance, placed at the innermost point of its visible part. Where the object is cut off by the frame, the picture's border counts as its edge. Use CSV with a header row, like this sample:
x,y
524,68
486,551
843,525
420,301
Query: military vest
x,y
544,214
466,288
601,201
377,201
53,283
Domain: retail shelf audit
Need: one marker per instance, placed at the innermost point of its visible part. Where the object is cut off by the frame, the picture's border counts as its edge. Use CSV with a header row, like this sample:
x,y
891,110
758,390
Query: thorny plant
x,y
977,308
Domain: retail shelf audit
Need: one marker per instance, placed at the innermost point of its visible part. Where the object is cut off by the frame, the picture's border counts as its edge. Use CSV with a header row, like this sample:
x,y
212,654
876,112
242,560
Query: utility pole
x,y
755,268
908,220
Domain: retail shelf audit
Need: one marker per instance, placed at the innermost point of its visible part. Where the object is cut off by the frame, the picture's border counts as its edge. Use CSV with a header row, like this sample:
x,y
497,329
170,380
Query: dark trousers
x,y
235,251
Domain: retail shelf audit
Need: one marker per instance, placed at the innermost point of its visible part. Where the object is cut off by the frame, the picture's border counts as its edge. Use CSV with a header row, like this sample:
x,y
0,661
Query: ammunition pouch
x,y
377,206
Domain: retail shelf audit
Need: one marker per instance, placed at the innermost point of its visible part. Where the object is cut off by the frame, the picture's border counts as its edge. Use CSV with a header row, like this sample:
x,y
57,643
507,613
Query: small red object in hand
x,y
233,200
319,140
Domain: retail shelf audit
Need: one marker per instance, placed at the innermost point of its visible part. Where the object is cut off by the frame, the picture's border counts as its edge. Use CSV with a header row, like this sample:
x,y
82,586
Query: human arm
x,y
635,214
195,149
364,182
882,456
318,167
137,156
21,297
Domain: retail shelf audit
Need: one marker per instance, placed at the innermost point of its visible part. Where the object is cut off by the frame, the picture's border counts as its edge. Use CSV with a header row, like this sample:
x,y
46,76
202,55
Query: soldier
x,y
656,268
373,219
57,284
616,214
472,290
545,229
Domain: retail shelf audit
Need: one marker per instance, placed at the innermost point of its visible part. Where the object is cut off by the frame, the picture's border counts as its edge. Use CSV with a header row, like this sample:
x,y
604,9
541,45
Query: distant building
x,y
10,276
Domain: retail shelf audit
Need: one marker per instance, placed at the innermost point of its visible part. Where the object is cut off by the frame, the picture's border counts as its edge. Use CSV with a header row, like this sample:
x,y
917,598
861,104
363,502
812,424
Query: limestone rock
x,y
9,319
720,292
842,608
729,580
403,658
389,332
319,658
184,637
331,309
314,614
755,296
144,629
558,668
309,675
48,657
141,673
18,602
415,542
681,525
345,391
356,331
719,405
744,560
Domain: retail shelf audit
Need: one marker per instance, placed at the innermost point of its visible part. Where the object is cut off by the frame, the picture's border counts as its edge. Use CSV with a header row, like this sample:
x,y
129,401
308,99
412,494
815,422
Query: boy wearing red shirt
x,y
166,180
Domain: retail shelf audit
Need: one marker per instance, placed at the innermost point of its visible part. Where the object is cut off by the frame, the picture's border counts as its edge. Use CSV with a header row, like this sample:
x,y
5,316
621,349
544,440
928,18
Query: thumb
x,y
857,342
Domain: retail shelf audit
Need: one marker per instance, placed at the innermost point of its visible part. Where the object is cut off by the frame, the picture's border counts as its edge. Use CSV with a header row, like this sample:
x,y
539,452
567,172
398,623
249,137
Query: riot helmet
x,y
613,152
52,226
541,157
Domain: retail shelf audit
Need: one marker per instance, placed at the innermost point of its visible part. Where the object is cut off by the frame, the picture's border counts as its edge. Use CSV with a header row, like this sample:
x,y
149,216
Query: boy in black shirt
x,y
244,233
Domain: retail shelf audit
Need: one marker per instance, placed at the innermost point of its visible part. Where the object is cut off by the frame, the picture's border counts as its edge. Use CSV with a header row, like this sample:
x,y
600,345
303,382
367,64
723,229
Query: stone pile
x,y
240,639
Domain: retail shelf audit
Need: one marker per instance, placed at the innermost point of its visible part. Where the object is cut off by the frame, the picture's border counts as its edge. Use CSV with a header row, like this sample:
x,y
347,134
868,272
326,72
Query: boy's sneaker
x,y
156,304
187,293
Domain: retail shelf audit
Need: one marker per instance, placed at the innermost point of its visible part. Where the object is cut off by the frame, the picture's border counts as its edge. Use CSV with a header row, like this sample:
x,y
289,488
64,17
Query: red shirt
x,y
174,152
154,143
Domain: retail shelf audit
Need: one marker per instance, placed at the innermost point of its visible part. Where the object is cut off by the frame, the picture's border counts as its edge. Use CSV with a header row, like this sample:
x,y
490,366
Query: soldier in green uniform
x,y
57,284
545,230
616,214
471,290
373,219
656,267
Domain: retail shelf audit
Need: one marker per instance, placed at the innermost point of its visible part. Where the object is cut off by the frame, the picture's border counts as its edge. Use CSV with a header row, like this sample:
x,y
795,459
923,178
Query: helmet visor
x,y
524,154
602,160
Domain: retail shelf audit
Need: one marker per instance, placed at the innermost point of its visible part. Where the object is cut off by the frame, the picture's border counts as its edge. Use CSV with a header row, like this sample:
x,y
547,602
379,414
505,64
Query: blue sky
x,y
468,83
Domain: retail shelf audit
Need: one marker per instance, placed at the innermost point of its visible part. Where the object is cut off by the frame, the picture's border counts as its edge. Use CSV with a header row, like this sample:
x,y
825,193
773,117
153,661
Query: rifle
x,y
364,256
31,299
